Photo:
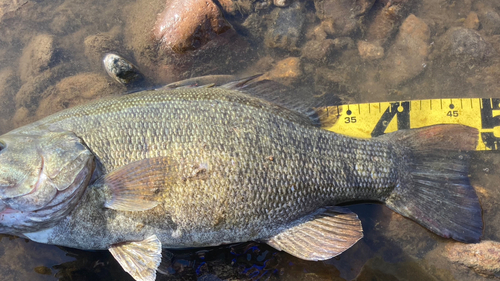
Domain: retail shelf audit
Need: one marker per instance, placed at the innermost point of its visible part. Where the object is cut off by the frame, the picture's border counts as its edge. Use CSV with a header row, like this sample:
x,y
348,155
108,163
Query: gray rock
x,y
121,70
286,28
490,22
465,45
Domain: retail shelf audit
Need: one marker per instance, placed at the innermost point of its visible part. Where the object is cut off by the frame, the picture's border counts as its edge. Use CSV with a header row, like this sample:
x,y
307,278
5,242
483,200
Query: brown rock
x,y
281,3
484,257
36,56
370,51
286,71
318,50
472,21
74,90
406,57
189,24
386,21
344,13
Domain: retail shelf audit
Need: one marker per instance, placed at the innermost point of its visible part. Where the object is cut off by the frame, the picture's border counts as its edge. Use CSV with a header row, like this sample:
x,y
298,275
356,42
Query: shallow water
x,y
50,59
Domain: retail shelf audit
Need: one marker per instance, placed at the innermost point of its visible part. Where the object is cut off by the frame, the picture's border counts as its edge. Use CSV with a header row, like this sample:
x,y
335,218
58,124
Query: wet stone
x,y
121,70
36,56
187,25
286,28
407,57
282,3
465,45
472,21
483,257
343,13
318,50
97,45
490,22
370,51
286,71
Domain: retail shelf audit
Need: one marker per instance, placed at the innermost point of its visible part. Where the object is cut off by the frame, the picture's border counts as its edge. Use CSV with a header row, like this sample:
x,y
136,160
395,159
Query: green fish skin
x,y
204,166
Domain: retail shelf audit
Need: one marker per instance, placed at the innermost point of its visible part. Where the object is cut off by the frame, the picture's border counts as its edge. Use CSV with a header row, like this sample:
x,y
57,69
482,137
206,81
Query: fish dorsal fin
x,y
202,81
324,235
140,259
135,187
277,94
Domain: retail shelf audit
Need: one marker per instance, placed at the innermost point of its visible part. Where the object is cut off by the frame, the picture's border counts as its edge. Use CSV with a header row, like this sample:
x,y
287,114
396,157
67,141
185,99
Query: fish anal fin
x,y
136,186
140,258
326,234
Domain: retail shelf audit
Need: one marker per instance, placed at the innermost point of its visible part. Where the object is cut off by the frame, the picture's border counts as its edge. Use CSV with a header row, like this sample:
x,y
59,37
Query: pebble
x,y
286,28
406,58
483,257
282,3
490,22
345,14
318,50
121,70
36,57
186,25
386,22
472,21
465,45
370,51
286,71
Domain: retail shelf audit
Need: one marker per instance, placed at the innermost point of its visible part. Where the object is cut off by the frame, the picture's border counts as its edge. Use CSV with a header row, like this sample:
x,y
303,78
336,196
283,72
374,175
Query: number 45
x,y
452,113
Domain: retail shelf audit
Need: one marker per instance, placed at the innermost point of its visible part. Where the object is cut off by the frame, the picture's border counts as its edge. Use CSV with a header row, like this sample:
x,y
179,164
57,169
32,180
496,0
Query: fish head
x,y
41,177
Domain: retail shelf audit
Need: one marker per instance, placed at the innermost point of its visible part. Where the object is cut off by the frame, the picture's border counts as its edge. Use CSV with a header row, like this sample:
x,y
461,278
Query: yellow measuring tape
x,y
368,120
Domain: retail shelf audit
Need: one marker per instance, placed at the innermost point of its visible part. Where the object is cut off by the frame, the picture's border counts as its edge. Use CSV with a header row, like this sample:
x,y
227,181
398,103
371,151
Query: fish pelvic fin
x,y
434,187
321,236
139,258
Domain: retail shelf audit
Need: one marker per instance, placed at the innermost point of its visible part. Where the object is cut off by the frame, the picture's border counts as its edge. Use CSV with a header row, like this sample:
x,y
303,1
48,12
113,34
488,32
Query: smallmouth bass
x,y
204,166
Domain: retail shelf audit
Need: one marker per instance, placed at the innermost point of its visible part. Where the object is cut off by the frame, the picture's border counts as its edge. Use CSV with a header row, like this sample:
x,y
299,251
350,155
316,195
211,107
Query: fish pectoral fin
x,y
136,186
140,259
323,235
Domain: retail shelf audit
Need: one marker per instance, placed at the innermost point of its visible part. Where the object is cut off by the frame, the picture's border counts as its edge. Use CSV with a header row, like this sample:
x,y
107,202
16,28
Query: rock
x,y
36,56
321,31
483,257
286,71
186,25
369,51
30,92
121,70
286,28
343,43
464,45
229,6
97,45
281,3
386,21
472,21
490,22
9,85
344,14
318,50
65,21
256,25
74,90
406,58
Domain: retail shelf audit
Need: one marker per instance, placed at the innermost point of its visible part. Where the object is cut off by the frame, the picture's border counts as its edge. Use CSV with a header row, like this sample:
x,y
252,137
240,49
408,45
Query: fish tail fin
x,y
434,187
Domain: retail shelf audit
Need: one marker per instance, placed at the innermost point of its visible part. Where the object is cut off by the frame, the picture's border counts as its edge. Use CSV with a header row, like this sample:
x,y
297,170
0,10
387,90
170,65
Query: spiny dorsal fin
x,y
322,236
275,93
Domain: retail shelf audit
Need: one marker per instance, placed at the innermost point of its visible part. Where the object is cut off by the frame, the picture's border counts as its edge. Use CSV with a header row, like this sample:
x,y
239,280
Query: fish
x,y
206,165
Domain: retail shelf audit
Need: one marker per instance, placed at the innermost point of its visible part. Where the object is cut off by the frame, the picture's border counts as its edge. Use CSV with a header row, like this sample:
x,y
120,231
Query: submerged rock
x,y
286,71
472,21
286,28
345,14
370,51
464,45
490,22
36,56
406,58
186,25
484,257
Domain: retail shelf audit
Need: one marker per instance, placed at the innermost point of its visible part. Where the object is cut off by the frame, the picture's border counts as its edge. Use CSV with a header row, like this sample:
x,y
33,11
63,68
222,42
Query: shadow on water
x,y
51,58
